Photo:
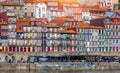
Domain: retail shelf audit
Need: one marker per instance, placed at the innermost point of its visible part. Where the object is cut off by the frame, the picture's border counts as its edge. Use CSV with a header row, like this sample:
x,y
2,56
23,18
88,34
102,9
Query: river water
x,y
63,71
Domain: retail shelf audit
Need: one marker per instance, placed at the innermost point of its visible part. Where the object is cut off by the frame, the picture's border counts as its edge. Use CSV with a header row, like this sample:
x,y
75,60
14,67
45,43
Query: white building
x,y
40,10
86,16
106,3
52,14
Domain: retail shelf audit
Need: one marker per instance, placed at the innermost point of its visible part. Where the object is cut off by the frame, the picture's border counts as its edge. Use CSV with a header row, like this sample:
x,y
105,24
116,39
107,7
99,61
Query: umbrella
x,y
43,59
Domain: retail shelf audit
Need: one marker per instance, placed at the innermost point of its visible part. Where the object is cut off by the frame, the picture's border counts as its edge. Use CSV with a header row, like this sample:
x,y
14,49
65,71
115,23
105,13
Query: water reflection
x,y
63,71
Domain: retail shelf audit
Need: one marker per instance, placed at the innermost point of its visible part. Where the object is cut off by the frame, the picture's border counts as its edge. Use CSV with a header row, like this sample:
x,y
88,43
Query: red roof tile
x,y
67,31
112,23
118,11
57,10
29,1
49,0
85,25
3,23
52,25
9,4
98,18
29,20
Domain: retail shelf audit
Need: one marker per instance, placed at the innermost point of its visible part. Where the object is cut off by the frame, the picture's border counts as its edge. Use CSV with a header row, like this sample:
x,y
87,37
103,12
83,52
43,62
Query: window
x,y
25,8
31,3
21,8
78,30
20,28
39,15
14,7
25,14
43,9
32,14
108,26
2,7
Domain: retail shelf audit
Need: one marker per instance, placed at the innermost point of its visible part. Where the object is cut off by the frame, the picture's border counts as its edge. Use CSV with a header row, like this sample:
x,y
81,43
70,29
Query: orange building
x,y
29,34
89,2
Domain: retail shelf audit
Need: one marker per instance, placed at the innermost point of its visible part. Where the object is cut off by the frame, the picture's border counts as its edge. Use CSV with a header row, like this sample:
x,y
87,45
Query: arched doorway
x,y
13,59
6,59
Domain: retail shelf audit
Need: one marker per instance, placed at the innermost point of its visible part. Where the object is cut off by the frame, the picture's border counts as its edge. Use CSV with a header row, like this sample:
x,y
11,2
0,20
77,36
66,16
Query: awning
x,y
42,58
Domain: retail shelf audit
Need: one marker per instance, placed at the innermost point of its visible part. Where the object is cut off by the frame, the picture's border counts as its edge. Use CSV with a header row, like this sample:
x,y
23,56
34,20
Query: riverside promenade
x,y
60,66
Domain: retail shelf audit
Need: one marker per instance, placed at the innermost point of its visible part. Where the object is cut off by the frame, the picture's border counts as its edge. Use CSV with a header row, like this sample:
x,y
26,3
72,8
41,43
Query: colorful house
x,y
29,35
88,37
112,33
68,42
3,36
10,18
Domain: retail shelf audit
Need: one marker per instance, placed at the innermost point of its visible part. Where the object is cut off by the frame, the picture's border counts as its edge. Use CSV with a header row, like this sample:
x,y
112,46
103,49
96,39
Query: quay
x,y
60,66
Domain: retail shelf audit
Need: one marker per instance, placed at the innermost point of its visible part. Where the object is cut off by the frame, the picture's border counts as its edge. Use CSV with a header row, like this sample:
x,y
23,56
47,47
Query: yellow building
x,y
115,1
28,8
116,4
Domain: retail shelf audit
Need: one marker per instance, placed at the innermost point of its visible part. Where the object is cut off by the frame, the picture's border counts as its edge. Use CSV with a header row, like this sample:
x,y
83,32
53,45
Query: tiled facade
x,y
90,38
34,35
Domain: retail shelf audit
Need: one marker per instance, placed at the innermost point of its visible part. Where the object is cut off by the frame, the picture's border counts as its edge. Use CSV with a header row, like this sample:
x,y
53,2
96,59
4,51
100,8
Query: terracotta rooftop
x,y
112,23
71,6
52,25
30,1
43,25
57,10
85,25
19,28
3,23
118,11
90,7
94,8
9,4
102,10
29,20
72,28
62,1
69,2
25,20
67,31
49,0
97,18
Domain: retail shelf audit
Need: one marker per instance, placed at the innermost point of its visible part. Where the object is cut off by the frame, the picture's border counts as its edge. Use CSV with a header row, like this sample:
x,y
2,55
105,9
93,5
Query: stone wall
x,y
33,66
25,56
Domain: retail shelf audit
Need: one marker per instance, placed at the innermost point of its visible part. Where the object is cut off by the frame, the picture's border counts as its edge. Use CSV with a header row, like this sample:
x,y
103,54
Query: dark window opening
x,y
32,14
25,14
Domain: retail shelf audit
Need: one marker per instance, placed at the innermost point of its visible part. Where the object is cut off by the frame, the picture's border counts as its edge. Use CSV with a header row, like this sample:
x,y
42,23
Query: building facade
x,y
112,33
3,36
116,5
89,38
12,6
28,8
68,42
40,10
